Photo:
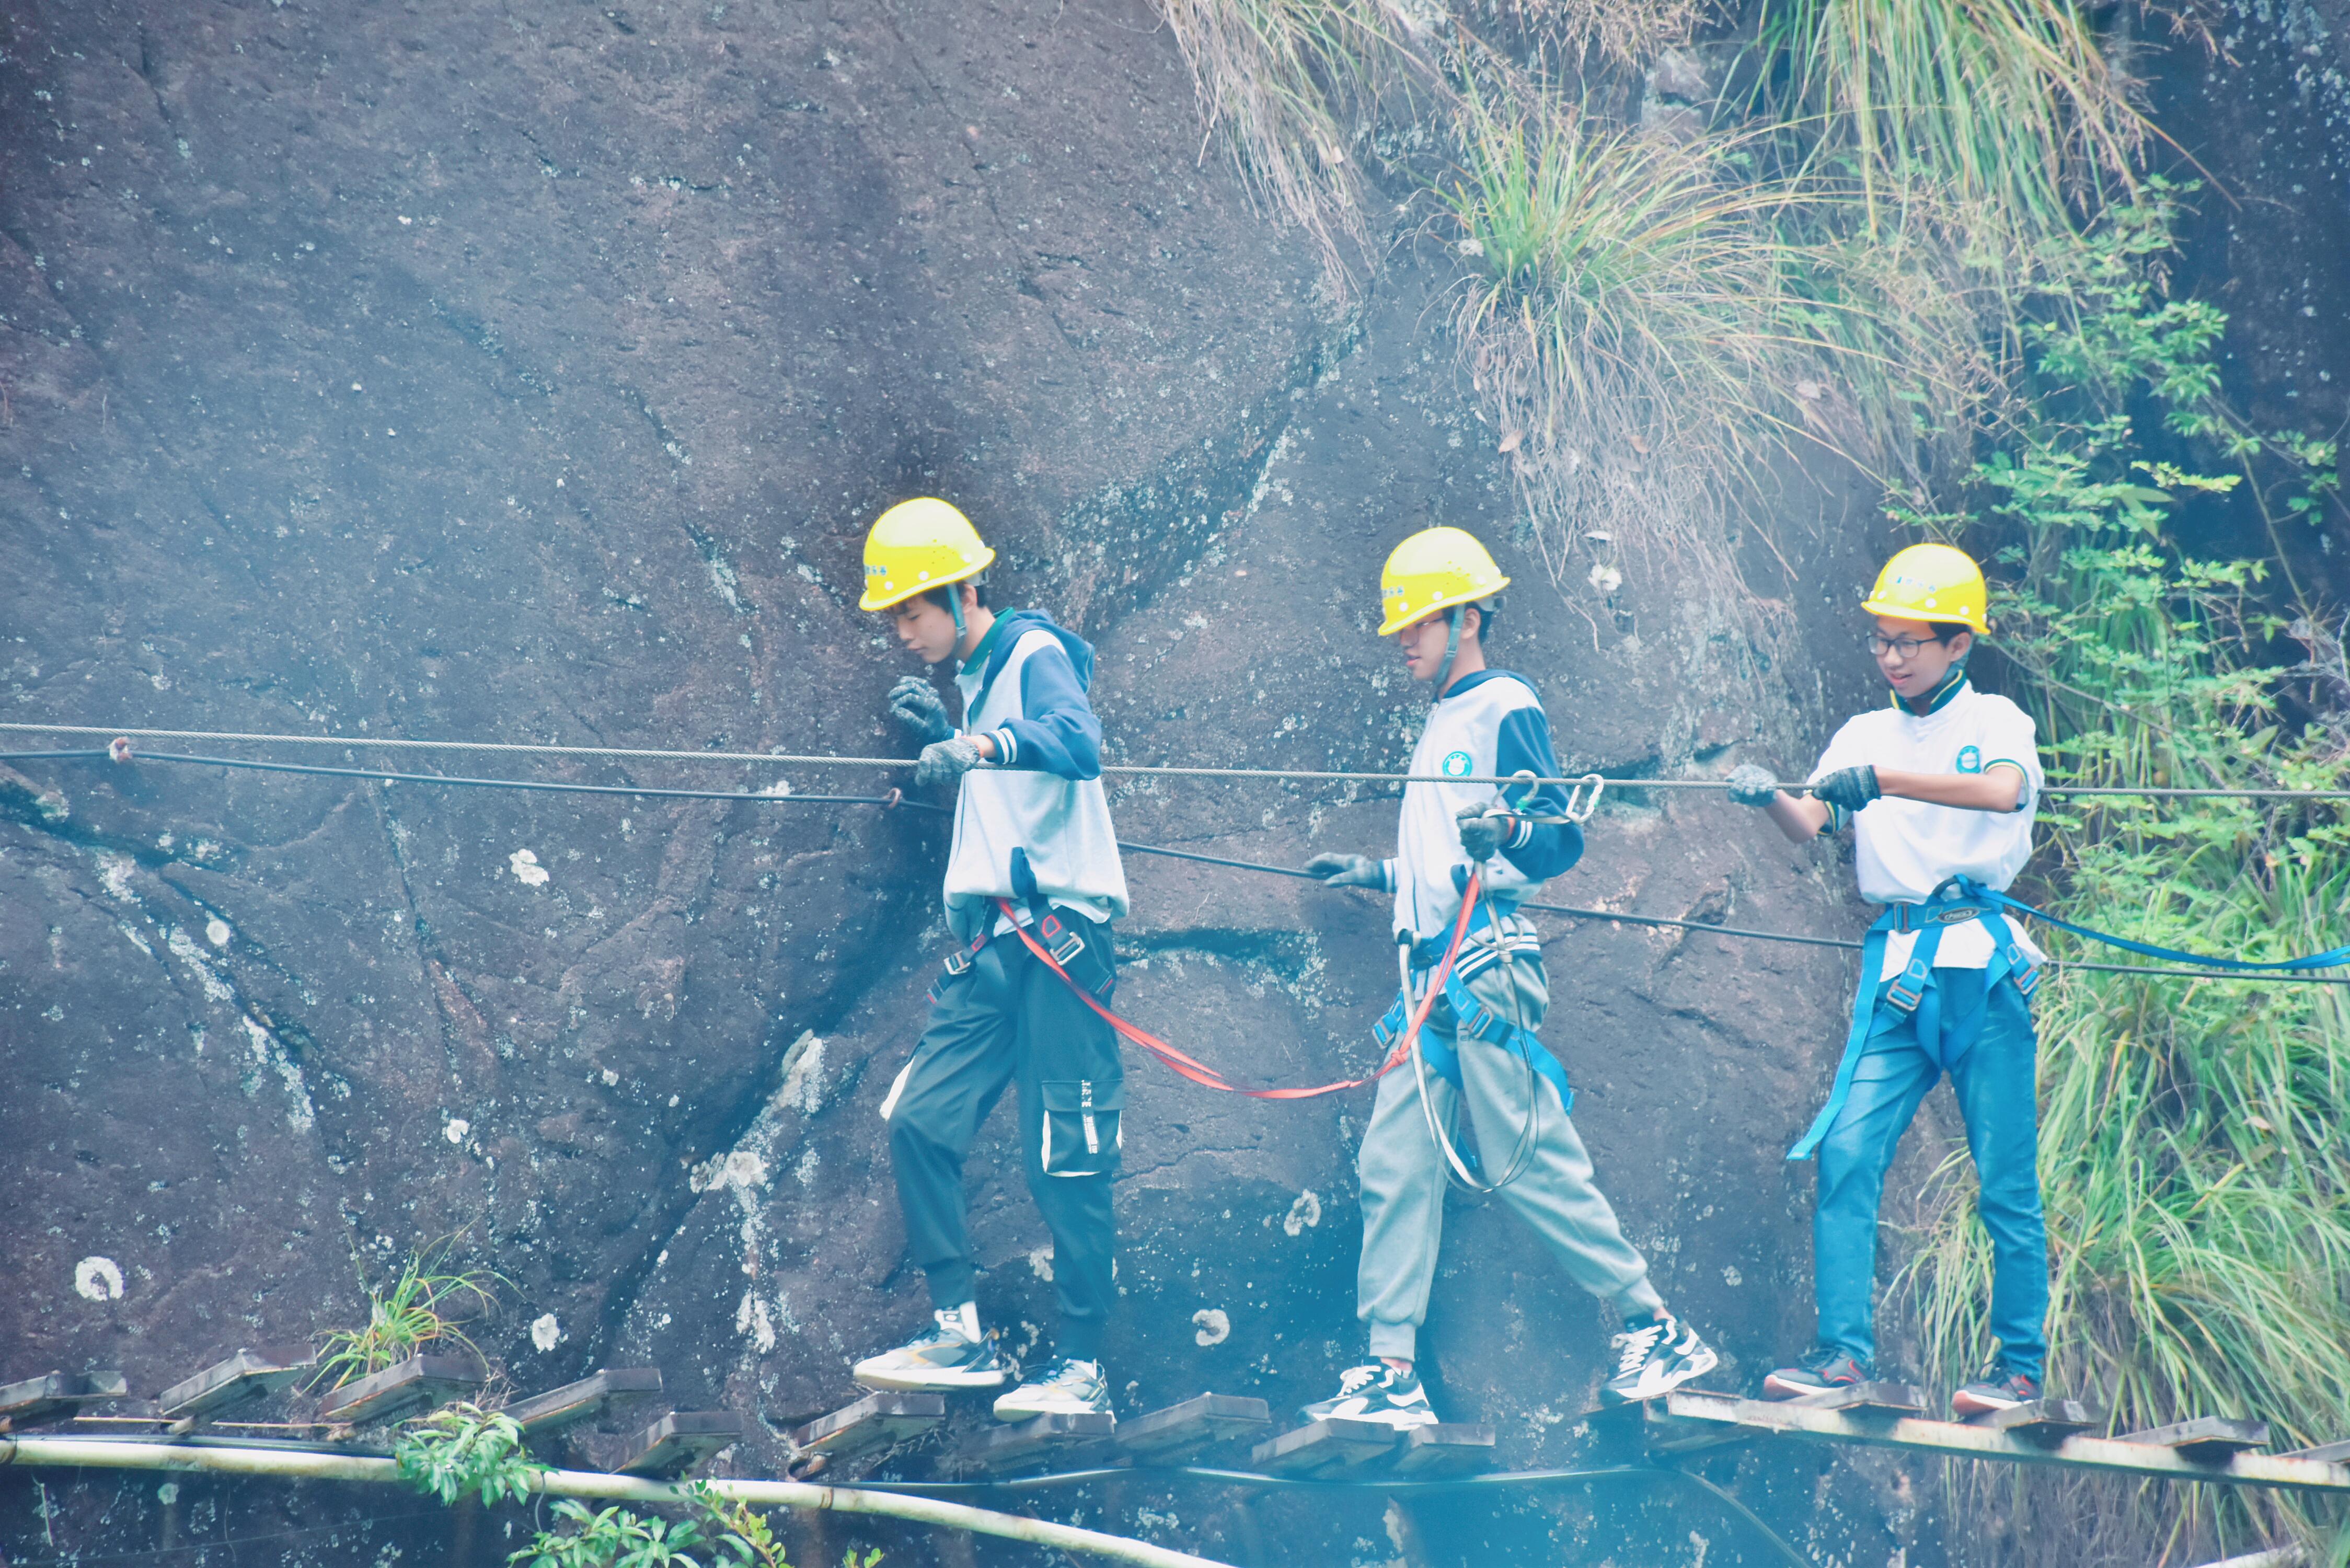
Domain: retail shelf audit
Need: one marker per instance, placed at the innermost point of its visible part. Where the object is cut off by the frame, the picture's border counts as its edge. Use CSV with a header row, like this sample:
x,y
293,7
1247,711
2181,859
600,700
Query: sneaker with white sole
x,y
1654,1356
951,1355
1066,1388
1375,1392
1822,1370
2000,1388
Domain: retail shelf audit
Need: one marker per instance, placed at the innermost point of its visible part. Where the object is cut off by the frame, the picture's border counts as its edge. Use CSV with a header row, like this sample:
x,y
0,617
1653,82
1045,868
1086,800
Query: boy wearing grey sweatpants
x,y
1478,1049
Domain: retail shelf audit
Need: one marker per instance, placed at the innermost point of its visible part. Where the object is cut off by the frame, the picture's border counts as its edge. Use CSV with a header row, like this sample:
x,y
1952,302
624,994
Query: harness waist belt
x,y
1914,990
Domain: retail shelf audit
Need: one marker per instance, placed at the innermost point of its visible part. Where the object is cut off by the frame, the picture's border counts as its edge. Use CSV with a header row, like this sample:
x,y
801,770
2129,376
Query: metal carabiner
x,y
1579,808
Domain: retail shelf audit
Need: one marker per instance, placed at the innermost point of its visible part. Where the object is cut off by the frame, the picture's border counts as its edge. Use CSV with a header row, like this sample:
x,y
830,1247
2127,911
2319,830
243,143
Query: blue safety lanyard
x,y
2330,959
1914,994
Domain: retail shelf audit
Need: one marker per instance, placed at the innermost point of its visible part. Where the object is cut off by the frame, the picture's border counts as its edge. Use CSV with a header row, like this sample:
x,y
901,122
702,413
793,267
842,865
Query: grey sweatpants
x,y
1403,1179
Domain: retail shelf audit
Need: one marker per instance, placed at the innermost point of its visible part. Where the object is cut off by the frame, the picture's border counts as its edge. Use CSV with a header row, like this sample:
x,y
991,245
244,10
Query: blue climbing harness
x,y
1913,993
1471,1016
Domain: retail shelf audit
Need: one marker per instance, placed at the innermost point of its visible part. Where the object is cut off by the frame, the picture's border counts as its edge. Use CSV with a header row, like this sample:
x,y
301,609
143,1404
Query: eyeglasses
x,y
1907,646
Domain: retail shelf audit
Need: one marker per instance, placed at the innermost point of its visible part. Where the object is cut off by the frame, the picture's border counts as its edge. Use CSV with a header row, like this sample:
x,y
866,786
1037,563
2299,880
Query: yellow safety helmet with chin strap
x,y
1932,582
1435,569
917,546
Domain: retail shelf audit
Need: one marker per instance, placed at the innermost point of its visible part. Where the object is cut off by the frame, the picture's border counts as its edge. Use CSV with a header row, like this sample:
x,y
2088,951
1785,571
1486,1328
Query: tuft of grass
x,y
1293,85
413,1311
1622,33
2003,114
1649,320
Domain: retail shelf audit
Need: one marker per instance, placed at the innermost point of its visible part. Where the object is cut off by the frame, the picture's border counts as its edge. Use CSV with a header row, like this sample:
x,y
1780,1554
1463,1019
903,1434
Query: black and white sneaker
x,y
1068,1388
1654,1356
1377,1392
953,1355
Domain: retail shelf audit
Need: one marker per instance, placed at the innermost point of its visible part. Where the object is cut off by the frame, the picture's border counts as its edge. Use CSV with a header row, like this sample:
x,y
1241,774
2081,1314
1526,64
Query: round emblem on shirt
x,y
1970,760
1457,764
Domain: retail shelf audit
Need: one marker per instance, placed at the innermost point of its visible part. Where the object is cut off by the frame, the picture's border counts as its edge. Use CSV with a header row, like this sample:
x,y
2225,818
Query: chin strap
x,y
954,608
1452,652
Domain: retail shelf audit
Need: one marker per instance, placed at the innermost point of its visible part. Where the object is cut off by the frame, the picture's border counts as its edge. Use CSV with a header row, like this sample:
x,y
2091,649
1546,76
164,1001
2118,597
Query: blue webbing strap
x,y
1855,1042
1472,1017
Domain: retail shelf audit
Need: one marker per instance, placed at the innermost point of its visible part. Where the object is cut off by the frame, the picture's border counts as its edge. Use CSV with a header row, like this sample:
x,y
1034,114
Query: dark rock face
x,y
531,375
2262,111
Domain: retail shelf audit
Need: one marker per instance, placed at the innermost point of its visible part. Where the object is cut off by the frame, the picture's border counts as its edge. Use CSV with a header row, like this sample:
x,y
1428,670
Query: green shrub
x,y
462,1450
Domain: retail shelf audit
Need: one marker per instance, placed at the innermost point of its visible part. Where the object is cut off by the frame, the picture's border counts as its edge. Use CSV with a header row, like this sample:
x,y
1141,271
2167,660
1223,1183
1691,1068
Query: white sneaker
x,y
1068,1388
951,1355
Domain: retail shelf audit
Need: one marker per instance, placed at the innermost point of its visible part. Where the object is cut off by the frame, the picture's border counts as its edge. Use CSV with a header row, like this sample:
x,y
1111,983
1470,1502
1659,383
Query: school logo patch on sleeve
x,y
1970,760
1457,764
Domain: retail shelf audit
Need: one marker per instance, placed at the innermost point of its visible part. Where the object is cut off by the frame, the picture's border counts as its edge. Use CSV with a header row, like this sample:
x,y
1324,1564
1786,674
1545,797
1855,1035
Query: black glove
x,y
1482,835
945,761
1751,785
917,708
1347,871
1848,789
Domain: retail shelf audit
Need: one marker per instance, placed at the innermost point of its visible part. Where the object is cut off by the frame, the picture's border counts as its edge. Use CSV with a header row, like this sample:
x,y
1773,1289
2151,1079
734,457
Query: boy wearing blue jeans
x,y
1939,789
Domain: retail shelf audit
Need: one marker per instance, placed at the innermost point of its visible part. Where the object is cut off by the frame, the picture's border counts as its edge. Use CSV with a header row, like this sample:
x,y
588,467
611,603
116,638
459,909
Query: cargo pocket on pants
x,y
1081,1134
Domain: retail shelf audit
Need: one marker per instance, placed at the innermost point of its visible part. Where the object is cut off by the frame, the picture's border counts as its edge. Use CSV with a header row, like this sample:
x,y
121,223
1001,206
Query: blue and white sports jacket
x,y
1491,722
1026,687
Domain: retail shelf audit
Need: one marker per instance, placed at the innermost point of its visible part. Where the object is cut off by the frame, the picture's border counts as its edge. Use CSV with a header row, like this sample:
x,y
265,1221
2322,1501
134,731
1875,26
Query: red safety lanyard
x,y
1208,1077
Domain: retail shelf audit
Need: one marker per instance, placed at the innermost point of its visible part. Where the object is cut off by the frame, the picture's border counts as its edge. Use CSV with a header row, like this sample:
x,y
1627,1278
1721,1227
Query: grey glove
x,y
1848,788
1482,835
917,708
1751,785
1347,871
945,761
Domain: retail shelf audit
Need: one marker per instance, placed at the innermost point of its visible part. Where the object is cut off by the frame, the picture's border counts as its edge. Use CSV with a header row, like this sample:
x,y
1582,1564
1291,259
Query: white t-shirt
x,y
1906,848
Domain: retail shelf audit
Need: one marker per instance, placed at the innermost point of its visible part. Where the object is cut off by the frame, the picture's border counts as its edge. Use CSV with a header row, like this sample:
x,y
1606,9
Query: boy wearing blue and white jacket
x,y
1939,789
1478,1047
1034,859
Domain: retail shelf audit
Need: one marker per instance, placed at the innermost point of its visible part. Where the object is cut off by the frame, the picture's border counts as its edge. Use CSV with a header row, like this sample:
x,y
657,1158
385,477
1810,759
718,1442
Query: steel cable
x,y
1131,770
894,800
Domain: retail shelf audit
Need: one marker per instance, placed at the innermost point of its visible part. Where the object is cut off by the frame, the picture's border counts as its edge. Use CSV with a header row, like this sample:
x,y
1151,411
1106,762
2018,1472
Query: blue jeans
x,y
1997,1098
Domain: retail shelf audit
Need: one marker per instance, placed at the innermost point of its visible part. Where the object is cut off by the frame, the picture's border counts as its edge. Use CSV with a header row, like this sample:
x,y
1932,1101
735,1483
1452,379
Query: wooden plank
x,y
1781,1418
2205,1438
881,1420
543,1415
1332,1444
2323,1454
36,1398
1014,1447
239,1378
2039,1420
679,1443
420,1380
1874,1399
1202,1421
1447,1448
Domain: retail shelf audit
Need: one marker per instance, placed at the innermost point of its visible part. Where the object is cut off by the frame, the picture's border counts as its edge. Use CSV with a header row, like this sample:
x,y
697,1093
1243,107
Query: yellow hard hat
x,y
1435,569
917,546
1932,582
